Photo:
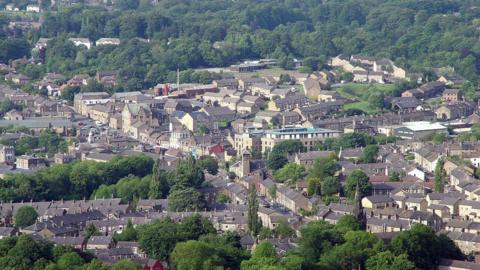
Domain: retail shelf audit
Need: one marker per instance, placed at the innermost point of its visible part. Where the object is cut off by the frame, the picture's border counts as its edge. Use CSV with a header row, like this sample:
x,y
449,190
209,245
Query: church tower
x,y
246,157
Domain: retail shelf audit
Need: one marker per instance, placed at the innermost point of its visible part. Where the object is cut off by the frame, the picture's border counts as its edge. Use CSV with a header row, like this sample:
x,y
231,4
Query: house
x,y
107,41
33,8
427,158
7,154
404,104
451,80
455,110
288,103
428,90
307,159
221,116
100,242
377,201
17,78
319,110
343,62
107,77
77,242
312,88
29,162
152,264
81,42
359,128
363,76
452,95
196,120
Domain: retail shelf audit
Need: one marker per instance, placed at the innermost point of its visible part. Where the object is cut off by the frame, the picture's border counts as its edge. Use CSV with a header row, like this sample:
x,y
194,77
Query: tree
x,y
126,265
314,186
194,255
323,167
387,261
276,161
347,223
70,261
195,226
290,173
159,238
188,173
423,247
359,178
253,221
25,216
317,238
91,230
439,138
159,184
353,254
370,153
394,177
128,233
330,186
209,163
440,176
283,229
185,198
263,256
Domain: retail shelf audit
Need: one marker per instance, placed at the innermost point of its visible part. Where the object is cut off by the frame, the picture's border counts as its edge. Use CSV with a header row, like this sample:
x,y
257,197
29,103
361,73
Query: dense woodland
x,y
416,34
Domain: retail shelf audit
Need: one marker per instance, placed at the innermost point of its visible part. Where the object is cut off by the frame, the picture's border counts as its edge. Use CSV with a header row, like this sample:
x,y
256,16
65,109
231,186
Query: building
x,y
308,136
418,130
7,154
81,42
29,162
455,110
452,95
82,101
108,41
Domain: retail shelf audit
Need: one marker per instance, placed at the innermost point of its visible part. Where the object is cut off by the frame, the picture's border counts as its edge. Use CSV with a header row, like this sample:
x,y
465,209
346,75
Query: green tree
x,y
370,153
323,167
352,254
208,163
387,261
290,173
159,184
439,138
185,198
195,226
91,230
347,223
422,246
70,261
317,238
158,239
253,220
126,265
440,176
359,178
25,216
128,233
194,255
330,186
264,257
283,229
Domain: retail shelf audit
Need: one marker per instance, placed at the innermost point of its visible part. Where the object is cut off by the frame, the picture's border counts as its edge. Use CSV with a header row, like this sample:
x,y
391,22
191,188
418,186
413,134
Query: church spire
x,y
358,209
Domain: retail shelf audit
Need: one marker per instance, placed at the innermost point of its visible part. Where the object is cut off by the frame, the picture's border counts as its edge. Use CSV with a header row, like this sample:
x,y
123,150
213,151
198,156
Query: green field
x,y
360,92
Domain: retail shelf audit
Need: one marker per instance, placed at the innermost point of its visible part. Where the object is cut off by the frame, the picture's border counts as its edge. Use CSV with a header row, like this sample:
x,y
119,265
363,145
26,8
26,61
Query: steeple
x,y
358,209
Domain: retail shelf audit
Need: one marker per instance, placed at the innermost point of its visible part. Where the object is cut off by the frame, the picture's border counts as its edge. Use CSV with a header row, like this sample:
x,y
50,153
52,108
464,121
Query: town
x,y
344,161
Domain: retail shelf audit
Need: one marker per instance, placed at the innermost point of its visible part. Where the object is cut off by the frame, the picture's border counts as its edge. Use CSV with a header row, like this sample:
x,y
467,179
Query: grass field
x,y
360,93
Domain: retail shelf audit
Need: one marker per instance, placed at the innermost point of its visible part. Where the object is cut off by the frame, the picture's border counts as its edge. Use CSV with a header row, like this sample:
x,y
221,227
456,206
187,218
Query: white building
x,y
81,42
